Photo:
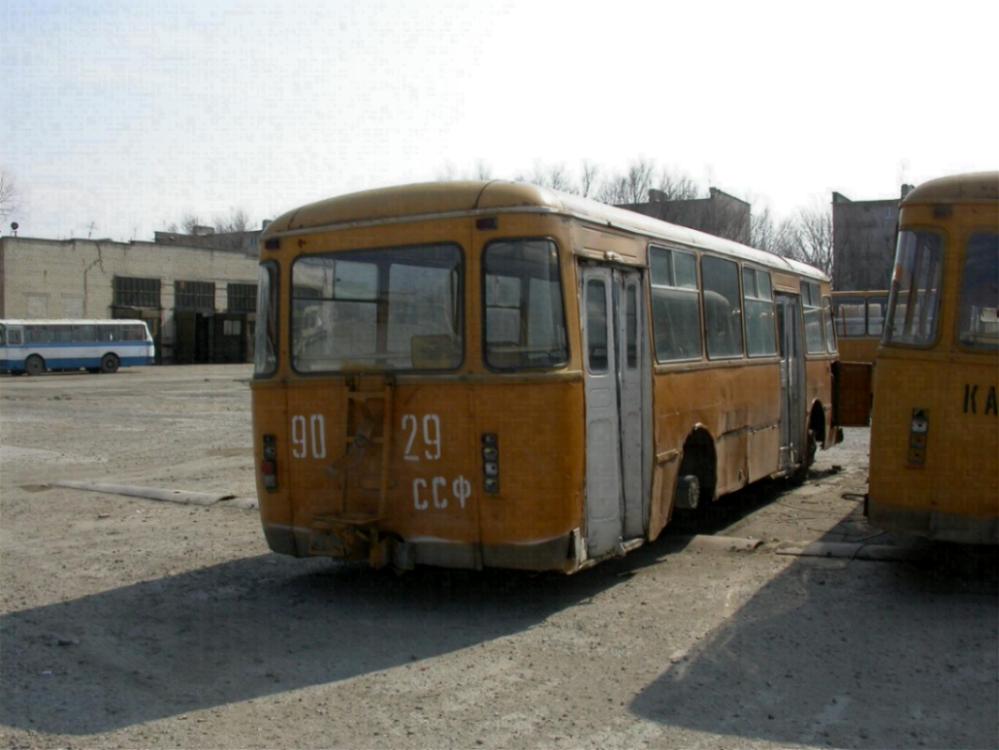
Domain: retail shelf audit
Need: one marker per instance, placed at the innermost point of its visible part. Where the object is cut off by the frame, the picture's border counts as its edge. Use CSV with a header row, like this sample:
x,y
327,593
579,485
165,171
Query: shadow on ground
x,y
849,654
254,627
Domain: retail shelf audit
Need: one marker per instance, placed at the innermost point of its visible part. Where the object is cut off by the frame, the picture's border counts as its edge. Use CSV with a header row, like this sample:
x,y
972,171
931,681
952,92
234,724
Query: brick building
x,y
199,302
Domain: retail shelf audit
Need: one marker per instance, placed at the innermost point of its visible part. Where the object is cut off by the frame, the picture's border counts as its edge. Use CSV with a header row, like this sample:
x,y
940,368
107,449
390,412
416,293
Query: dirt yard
x,y
127,622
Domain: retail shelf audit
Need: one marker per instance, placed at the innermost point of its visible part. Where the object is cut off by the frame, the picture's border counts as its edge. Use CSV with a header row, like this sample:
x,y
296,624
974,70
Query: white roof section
x,y
441,200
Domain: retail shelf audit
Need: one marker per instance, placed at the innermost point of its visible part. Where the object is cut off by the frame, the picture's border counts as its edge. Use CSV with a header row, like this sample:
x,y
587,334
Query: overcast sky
x,y
117,119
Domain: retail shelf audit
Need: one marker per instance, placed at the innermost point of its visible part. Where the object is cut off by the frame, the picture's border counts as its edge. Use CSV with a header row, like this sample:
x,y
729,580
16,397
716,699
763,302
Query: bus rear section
x,y
380,440
935,428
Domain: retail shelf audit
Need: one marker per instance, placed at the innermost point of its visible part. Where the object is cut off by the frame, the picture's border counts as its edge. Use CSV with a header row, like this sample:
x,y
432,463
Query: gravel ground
x,y
132,623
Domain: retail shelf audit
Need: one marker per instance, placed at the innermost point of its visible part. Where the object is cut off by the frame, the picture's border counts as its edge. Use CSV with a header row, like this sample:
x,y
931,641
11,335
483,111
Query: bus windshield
x,y
979,322
915,292
390,309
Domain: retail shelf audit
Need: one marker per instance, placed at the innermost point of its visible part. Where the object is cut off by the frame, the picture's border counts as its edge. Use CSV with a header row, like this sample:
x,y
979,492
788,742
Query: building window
x,y
241,298
130,291
194,295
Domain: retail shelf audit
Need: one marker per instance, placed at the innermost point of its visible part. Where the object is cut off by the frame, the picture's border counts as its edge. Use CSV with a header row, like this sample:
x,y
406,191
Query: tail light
x,y
490,462
268,466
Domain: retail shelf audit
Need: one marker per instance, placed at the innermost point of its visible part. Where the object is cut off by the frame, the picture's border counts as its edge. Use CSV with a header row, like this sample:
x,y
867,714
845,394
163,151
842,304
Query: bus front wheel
x,y
109,363
800,474
34,365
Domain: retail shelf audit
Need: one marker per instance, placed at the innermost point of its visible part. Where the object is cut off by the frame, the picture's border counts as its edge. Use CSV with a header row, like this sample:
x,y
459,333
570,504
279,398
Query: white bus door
x,y
792,380
616,424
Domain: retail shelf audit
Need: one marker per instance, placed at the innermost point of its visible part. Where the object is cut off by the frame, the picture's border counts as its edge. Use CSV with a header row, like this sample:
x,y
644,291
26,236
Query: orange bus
x,y
858,318
492,374
935,427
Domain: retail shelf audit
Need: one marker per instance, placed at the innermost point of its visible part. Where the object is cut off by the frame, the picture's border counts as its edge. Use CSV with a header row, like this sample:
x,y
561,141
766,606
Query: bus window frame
x,y
829,323
959,296
757,269
823,350
275,297
889,308
741,354
483,346
462,266
698,291
856,298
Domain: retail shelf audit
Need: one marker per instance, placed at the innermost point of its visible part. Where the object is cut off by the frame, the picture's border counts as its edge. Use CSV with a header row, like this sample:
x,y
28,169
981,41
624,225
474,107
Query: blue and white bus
x,y
34,346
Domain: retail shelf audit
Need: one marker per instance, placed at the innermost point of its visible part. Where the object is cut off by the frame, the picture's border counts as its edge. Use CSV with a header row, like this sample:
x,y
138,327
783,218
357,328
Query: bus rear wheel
x,y
109,363
34,365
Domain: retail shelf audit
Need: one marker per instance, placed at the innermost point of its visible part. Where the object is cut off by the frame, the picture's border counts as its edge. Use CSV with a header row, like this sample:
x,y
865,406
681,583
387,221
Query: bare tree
x,y
675,186
633,185
806,236
8,195
554,176
778,237
189,222
588,179
237,221
482,171
815,236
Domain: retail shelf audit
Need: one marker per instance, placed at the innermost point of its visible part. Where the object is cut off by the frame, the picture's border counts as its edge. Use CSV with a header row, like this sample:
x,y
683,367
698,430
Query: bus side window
x,y
850,317
722,308
14,337
876,315
812,311
596,325
757,298
138,333
676,305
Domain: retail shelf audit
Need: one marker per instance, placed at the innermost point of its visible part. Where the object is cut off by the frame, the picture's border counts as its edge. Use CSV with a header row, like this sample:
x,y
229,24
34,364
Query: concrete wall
x,y
863,242
74,278
720,214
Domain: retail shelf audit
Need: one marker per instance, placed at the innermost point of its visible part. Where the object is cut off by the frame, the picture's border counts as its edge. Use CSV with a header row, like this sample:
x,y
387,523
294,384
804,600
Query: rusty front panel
x,y
960,473
852,395
738,404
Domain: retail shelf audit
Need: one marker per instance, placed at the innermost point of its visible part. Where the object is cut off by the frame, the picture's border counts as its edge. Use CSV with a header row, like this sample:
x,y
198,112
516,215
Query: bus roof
x,y
69,322
451,199
975,187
